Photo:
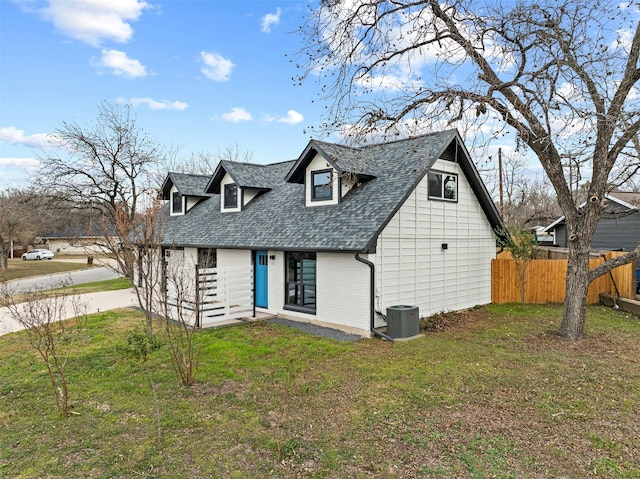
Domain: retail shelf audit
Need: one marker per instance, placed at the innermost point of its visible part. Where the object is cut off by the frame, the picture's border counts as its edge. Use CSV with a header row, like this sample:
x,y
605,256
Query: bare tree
x,y
528,201
30,213
563,76
43,316
18,223
105,166
180,312
144,243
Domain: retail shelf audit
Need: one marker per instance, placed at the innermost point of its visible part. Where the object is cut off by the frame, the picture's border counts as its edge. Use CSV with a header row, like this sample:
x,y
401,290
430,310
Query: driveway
x,y
94,303
51,281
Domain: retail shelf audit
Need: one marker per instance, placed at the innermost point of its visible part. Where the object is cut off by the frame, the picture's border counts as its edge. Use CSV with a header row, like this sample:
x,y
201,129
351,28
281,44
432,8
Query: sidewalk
x,y
95,303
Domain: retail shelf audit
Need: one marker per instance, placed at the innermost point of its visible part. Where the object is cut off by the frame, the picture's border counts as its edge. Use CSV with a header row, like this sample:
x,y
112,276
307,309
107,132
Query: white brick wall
x,y
343,290
233,257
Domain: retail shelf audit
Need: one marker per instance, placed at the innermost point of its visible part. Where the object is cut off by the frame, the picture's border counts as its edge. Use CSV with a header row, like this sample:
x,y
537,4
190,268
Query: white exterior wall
x,y
191,202
76,246
411,266
191,256
233,257
343,290
247,195
276,275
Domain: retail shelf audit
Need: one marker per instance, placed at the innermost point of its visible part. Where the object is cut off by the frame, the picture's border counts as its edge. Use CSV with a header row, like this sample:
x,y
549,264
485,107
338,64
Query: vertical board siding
x,y
411,266
546,279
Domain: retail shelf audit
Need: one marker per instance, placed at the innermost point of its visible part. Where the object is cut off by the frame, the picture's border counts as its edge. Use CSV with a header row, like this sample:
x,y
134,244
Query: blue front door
x,y
262,279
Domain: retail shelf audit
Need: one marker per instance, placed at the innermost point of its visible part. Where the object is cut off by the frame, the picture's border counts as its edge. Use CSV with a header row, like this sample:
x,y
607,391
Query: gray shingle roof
x,y
245,175
278,219
187,184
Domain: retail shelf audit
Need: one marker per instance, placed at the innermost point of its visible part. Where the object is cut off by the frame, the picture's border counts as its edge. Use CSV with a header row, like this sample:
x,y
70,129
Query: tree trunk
x,y
575,300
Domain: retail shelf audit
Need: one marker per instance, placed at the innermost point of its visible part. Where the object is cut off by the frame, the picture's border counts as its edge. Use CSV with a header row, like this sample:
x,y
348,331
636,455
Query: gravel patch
x,y
317,330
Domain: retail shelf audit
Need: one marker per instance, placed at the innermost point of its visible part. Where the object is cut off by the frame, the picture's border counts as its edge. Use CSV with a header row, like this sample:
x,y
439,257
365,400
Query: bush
x,y
140,344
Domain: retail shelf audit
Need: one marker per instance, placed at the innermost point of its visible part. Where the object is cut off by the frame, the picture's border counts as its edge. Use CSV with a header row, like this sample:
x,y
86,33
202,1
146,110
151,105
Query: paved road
x,y
39,283
94,302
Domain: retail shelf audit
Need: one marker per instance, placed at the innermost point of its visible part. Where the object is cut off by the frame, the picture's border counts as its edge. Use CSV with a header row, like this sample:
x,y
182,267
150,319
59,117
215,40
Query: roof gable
x,y
615,206
186,184
343,159
245,175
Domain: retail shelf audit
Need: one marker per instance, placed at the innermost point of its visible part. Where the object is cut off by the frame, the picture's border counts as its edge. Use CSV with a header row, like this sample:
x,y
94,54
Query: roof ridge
x,y
189,174
384,143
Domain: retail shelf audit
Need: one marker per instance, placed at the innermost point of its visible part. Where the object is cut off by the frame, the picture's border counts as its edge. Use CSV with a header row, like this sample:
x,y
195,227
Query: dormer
x,y
183,192
328,172
238,184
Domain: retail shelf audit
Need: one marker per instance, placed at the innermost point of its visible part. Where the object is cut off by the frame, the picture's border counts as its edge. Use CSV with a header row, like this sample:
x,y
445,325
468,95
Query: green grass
x,y
18,269
98,286
497,395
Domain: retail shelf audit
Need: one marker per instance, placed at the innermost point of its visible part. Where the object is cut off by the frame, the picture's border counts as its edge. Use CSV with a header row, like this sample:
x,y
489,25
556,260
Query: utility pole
x,y
500,181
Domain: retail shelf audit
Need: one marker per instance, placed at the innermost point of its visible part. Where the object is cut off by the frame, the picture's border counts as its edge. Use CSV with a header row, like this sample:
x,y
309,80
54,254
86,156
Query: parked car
x,y
37,254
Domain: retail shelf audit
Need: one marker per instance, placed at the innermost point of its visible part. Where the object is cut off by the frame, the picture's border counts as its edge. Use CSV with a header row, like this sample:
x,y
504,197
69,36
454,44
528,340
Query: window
x,y
207,258
321,185
230,196
301,281
176,202
443,186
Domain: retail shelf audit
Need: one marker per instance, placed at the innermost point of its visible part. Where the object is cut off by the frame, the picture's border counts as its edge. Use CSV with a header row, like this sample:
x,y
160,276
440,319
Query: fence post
x,y
197,302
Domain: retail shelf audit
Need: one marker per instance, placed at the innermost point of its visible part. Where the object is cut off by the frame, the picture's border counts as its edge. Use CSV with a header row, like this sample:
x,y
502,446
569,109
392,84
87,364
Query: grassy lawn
x,y
23,269
493,393
98,286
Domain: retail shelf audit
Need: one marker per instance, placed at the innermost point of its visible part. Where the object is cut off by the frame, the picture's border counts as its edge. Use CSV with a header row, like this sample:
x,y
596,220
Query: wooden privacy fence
x,y
546,280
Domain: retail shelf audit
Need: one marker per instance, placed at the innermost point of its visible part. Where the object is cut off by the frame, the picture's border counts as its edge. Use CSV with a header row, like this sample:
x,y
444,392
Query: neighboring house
x,y
342,233
79,239
617,230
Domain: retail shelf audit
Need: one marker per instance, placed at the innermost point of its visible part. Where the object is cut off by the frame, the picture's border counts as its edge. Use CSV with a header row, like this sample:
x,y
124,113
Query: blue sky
x,y
203,75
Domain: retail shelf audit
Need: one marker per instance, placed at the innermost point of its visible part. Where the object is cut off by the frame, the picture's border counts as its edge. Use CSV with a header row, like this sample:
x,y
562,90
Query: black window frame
x,y
177,198
207,258
227,188
325,187
441,194
301,286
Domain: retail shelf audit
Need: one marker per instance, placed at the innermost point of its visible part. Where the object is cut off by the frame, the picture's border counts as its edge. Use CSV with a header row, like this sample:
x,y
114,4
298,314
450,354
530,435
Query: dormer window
x,y
322,185
230,196
176,202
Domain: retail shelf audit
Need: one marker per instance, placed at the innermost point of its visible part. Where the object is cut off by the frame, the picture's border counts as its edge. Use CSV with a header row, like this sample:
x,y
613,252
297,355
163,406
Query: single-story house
x,y
617,230
340,234
79,239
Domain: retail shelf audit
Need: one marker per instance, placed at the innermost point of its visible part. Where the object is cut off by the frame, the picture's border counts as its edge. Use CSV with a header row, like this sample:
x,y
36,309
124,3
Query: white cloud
x,y
28,163
13,136
216,67
155,104
120,65
93,21
270,19
236,115
292,118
